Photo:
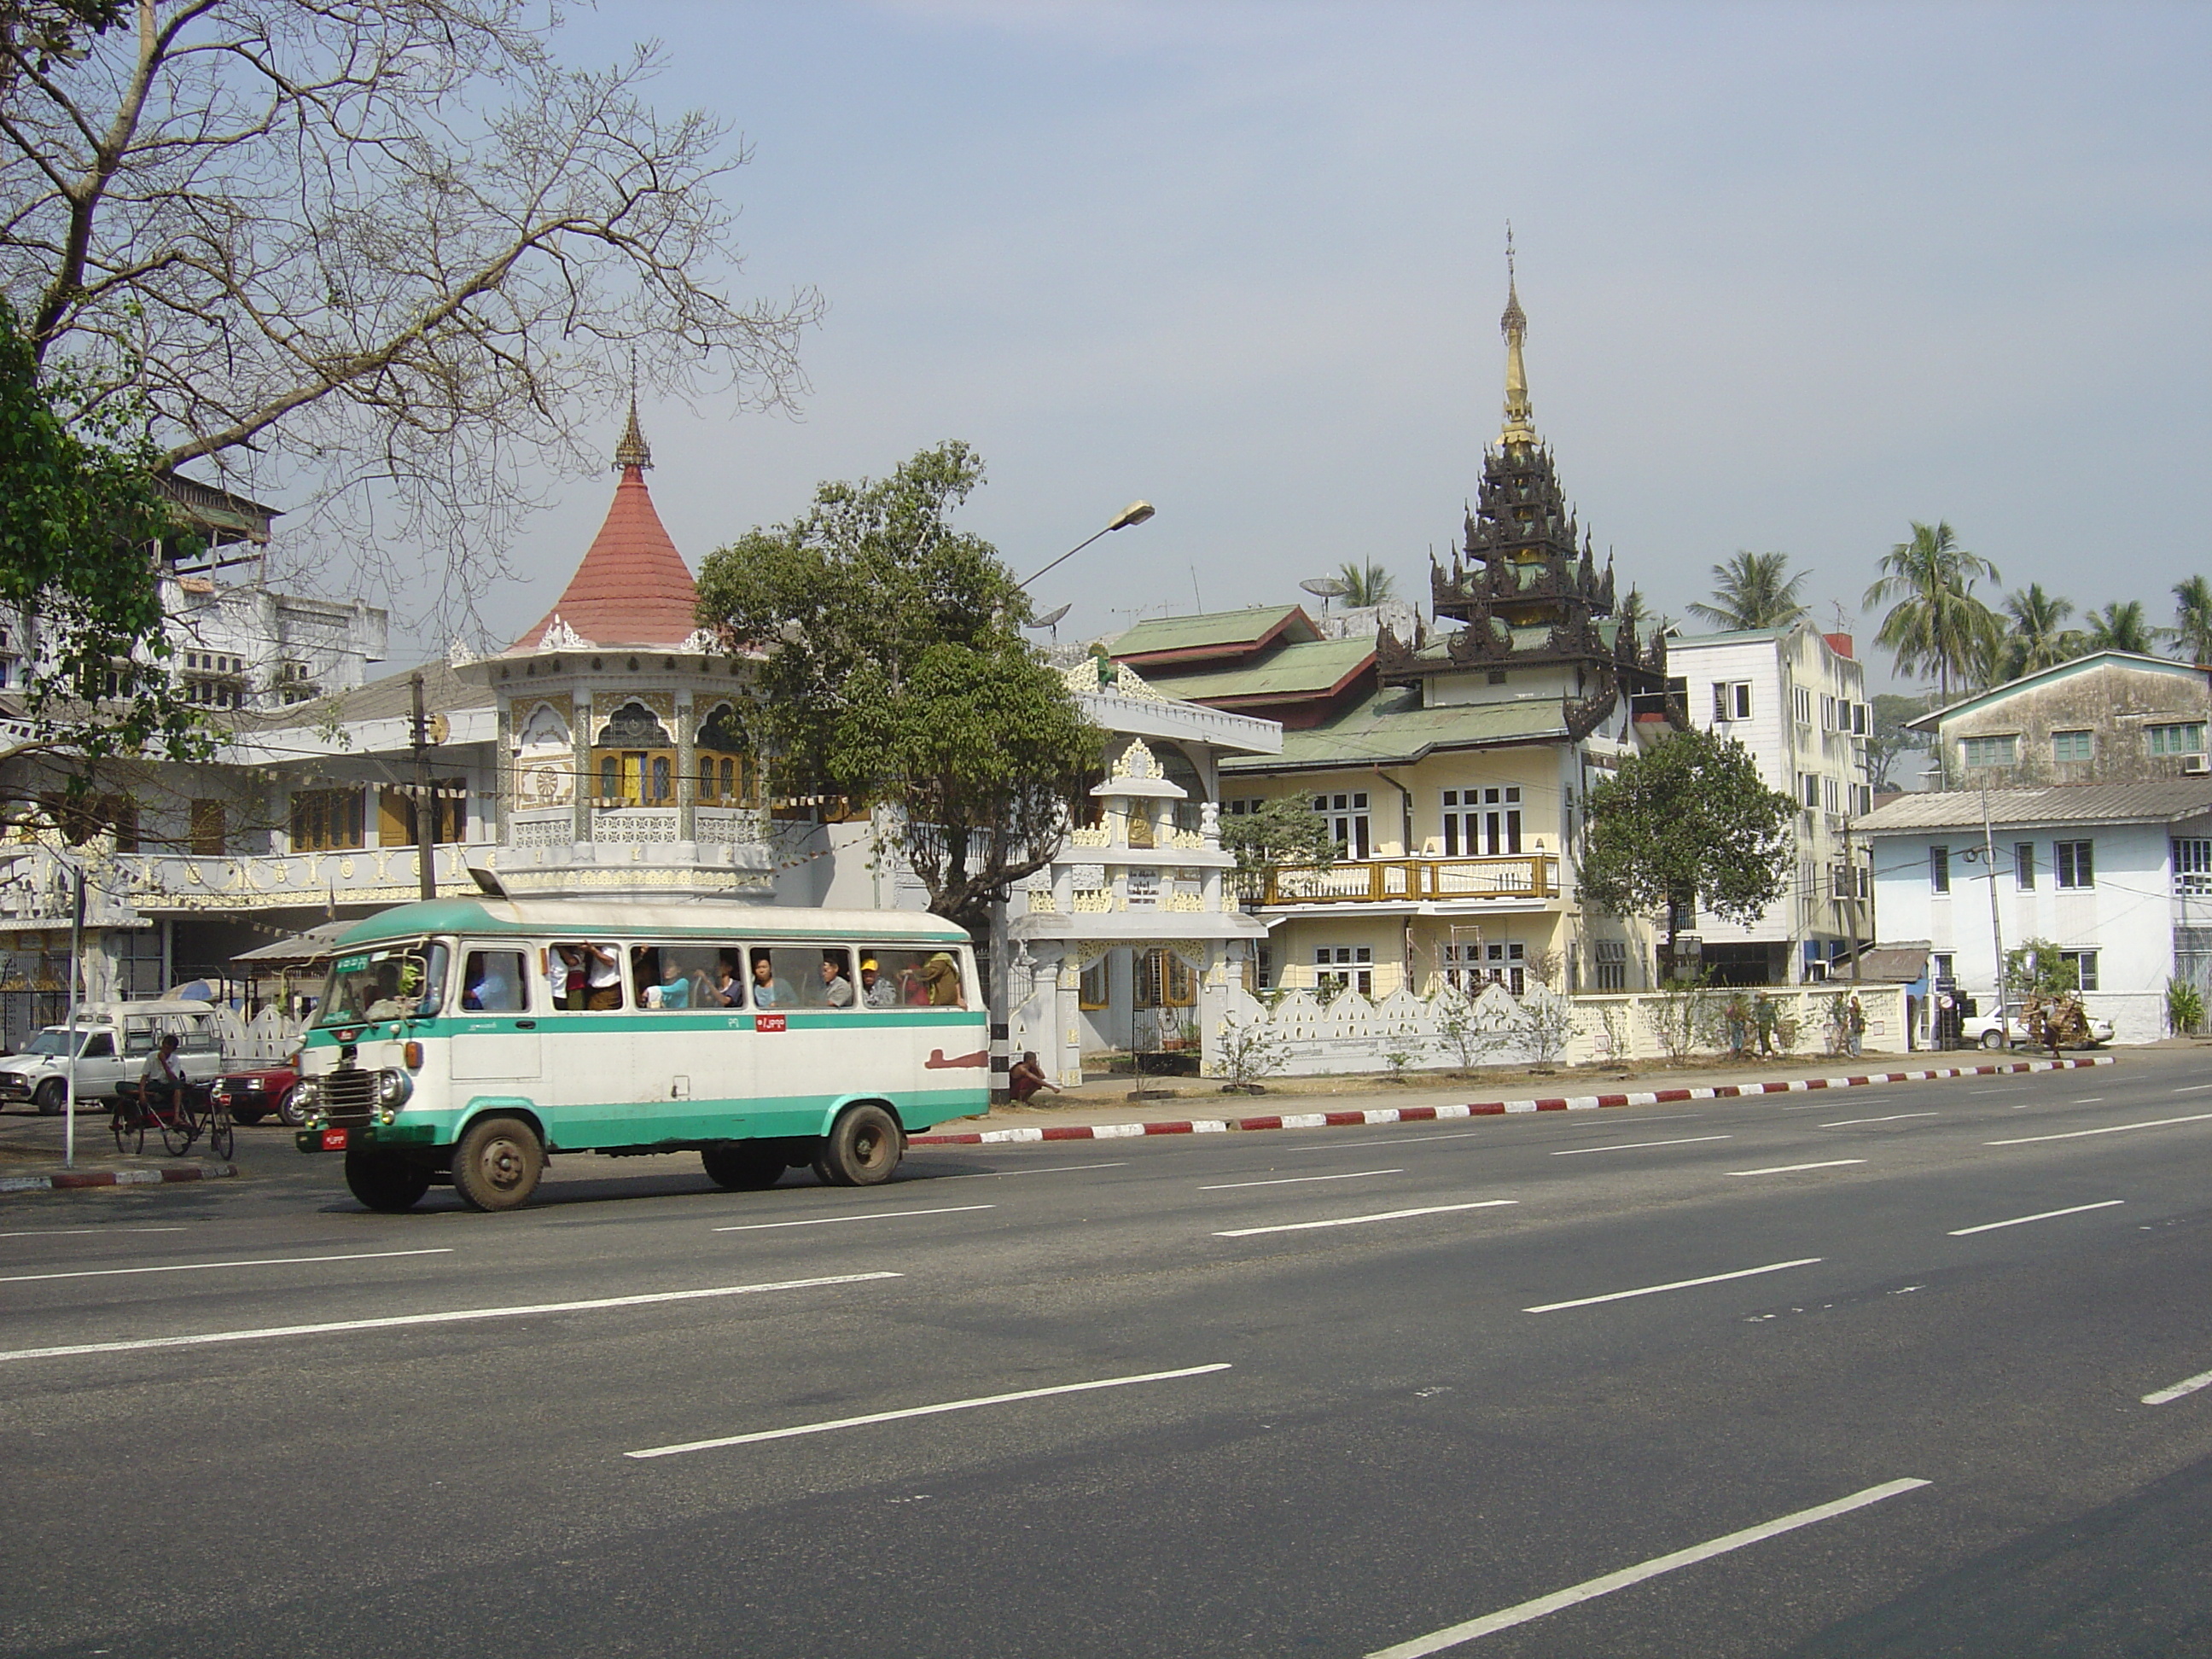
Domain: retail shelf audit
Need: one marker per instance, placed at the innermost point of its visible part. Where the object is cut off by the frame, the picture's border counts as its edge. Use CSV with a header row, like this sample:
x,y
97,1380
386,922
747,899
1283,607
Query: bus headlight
x,y
392,1089
308,1095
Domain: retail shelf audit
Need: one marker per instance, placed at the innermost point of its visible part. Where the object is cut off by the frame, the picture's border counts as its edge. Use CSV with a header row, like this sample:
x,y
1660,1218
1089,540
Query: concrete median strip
x,y
58,1180
1214,1126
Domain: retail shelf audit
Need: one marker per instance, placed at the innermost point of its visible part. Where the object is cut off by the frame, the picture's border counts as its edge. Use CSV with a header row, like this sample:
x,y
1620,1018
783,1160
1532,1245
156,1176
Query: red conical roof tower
x,y
633,587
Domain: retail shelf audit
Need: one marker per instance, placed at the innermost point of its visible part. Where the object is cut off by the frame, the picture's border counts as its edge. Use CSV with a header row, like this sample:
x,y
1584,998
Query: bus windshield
x,y
388,982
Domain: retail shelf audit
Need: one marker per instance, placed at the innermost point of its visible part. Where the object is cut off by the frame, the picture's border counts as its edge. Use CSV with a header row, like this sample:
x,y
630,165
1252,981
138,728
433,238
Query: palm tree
x,y
1365,584
2192,619
1936,623
1749,592
2039,638
2120,627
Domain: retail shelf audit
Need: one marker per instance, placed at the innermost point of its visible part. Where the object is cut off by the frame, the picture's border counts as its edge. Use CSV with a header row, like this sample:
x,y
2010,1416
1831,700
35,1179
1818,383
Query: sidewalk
x,y
1102,1111
31,1158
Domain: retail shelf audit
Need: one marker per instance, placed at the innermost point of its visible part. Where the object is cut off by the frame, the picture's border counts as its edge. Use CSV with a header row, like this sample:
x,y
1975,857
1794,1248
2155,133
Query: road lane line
x,y
1638,1145
1356,1220
1049,1168
1590,1588
1673,1285
872,1215
2187,1385
2045,1215
2088,1100
1792,1168
60,1232
2108,1129
454,1316
202,1267
921,1411
1895,1117
1394,1140
1293,1181
2194,1089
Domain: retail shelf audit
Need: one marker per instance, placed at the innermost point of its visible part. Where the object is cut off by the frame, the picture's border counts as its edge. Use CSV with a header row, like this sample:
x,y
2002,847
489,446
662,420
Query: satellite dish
x,y
1325,588
1051,617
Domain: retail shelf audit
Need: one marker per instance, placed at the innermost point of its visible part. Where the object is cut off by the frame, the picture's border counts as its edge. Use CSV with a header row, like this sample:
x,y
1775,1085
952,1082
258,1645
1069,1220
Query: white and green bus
x,y
465,1040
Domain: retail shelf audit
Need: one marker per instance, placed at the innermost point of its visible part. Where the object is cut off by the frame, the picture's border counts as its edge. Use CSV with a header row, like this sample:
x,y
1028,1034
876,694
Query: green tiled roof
x,y
1214,628
1392,726
1290,671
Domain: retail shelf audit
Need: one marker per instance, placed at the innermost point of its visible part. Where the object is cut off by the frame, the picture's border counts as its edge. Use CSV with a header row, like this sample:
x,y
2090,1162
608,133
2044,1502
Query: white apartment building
x,y
1796,698
2118,876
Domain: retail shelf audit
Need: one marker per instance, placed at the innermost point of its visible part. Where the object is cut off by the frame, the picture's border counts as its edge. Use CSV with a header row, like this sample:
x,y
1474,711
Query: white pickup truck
x,y
113,1040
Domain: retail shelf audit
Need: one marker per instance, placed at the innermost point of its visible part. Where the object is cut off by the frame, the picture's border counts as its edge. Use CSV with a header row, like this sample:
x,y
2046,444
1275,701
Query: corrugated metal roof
x,y
1220,629
1294,670
1391,726
2069,803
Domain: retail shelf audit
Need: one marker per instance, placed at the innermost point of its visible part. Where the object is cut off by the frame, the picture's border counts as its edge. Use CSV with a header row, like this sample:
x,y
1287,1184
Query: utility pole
x,y
426,820
1997,929
76,1003
1851,909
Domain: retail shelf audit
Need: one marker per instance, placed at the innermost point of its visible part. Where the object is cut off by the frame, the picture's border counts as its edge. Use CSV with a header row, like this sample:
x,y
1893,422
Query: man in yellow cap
x,y
875,990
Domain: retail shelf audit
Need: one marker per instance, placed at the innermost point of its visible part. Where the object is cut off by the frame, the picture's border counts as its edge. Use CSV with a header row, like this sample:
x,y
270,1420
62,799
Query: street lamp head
x,y
1135,513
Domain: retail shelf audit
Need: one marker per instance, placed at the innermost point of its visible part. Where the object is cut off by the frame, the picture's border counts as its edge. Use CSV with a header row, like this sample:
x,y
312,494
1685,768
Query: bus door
x,y
496,1029
691,1070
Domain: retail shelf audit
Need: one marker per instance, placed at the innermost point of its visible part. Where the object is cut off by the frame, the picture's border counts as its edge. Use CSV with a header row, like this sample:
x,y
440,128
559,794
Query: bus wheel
x,y
742,1169
384,1182
497,1164
863,1147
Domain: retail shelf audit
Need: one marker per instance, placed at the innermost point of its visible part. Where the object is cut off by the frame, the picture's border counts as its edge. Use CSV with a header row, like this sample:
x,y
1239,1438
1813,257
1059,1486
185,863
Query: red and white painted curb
x,y
63,1180
1204,1125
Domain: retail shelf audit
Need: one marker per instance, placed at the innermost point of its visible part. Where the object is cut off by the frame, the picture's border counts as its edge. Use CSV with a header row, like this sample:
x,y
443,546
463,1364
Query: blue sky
x,y
1795,275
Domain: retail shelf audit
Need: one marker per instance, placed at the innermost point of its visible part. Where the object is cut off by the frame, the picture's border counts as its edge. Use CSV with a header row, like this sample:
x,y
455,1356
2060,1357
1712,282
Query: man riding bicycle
x,y
160,1077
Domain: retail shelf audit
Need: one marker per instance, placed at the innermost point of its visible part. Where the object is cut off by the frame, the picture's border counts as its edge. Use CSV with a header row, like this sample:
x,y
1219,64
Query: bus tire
x,y
742,1169
862,1149
497,1163
386,1182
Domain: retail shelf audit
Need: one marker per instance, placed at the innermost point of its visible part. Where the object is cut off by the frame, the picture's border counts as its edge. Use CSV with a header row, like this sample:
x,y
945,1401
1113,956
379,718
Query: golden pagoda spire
x,y
1520,428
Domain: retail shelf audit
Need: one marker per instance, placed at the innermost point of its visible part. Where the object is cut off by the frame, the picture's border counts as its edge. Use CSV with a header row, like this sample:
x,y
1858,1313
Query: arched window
x,y
727,774
637,759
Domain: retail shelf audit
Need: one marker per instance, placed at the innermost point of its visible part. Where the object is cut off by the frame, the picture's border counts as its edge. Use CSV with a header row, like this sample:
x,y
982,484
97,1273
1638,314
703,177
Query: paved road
x,y
1342,1439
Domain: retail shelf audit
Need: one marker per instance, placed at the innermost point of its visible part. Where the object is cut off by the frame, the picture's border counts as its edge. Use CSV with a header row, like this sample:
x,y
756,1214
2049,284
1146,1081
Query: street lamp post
x,y
1000,990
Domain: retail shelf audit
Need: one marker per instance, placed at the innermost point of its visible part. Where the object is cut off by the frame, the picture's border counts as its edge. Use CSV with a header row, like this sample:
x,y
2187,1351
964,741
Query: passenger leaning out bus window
x,y
601,968
941,975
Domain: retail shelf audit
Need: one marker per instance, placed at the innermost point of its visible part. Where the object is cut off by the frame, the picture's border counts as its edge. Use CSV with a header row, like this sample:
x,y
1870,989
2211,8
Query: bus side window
x,y
675,976
788,976
584,975
833,978
726,980
492,983
880,968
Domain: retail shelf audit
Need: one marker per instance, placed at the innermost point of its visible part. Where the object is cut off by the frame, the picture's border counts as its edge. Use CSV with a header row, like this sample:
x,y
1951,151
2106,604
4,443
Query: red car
x,y
256,1093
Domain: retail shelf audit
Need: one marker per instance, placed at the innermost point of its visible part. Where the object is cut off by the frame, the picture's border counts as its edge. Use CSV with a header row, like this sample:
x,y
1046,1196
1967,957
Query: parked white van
x,y
112,1041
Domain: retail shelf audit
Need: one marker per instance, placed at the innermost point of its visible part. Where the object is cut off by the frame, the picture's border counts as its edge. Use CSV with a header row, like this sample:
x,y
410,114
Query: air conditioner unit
x,y
2194,766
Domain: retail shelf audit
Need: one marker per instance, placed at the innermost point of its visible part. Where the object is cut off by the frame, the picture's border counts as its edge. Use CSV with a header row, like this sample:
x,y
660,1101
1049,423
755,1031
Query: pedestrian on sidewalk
x,y
1855,1026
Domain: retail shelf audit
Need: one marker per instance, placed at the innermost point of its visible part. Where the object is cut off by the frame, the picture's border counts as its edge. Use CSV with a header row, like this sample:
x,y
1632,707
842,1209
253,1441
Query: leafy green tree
x,y
895,675
1687,826
1283,831
1366,584
1934,624
1890,741
2191,632
1753,590
2039,638
2120,627
79,513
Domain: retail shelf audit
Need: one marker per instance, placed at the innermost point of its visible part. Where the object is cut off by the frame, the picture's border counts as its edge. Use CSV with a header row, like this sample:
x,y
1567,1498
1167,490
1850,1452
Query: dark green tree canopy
x,y
894,674
79,511
1934,626
1690,824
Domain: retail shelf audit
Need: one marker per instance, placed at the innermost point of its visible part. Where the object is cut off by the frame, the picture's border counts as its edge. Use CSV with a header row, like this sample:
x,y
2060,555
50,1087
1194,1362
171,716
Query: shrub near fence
x,y
1305,1037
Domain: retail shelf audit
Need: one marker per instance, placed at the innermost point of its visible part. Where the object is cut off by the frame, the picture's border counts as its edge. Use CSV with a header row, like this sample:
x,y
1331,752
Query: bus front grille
x,y
349,1096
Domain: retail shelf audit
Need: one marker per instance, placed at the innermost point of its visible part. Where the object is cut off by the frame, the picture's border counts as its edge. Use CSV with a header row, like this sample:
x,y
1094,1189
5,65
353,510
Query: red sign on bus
x,y
768,1022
